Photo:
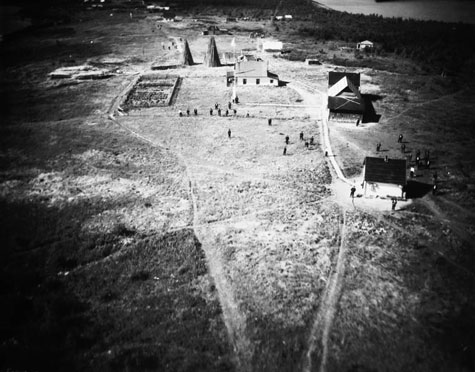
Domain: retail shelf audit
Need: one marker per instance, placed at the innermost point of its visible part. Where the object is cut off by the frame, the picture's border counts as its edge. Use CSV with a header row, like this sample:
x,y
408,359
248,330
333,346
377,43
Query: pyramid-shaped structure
x,y
212,56
187,57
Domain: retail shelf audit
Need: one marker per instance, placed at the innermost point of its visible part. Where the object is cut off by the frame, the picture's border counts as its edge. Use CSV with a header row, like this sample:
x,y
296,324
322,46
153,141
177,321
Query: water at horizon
x,y
437,10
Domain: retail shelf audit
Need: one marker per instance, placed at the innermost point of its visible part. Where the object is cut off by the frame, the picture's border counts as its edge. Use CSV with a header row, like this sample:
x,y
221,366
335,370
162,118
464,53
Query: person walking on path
x,y
211,111
269,121
229,133
352,192
301,136
287,138
187,112
394,203
399,140
195,111
285,151
378,146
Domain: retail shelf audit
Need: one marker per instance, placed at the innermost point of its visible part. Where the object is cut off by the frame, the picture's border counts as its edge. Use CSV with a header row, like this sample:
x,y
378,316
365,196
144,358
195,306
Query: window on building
x,y
258,81
244,81
272,81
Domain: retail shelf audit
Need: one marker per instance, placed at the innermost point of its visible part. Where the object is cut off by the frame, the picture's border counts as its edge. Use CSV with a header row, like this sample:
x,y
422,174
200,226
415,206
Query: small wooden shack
x,y
365,45
384,177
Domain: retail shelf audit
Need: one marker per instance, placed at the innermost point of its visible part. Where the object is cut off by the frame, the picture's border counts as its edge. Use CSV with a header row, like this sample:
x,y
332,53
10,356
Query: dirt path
x,y
234,319
323,321
403,112
312,100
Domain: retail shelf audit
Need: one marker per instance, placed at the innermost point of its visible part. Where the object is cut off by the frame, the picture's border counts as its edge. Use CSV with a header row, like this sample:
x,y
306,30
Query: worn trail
x,y
234,319
320,333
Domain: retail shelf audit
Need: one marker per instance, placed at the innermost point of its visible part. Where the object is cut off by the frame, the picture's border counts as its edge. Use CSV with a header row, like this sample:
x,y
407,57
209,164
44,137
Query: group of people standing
x,y
308,142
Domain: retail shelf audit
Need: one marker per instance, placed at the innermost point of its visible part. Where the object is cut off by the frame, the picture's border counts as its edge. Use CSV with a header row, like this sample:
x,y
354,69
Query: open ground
x,y
148,241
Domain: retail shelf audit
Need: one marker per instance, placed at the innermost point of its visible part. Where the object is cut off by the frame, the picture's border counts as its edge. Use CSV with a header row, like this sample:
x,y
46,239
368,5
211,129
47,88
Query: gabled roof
x,y
345,105
335,76
366,42
251,69
378,170
344,84
344,96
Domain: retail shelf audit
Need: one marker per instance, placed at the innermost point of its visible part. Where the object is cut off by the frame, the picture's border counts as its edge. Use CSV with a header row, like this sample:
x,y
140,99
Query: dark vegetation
x,y
114,299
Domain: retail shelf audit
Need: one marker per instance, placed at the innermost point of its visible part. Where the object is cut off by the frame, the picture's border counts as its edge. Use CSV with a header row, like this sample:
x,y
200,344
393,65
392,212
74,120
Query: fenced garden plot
x,y
151,91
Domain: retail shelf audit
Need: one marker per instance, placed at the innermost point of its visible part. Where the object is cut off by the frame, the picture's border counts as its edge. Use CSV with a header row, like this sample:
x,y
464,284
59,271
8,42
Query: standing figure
x,y
227,112
287,138
180,114
378,146
187,112
399,140
211,111
403,148
235,112
219,112
352,192
394,202
195,111
306,144
229,105
229,133
412,172
301,136
285,150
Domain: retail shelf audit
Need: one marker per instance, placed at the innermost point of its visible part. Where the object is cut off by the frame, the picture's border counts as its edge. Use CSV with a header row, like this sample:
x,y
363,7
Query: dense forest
x,y
440,46
437,46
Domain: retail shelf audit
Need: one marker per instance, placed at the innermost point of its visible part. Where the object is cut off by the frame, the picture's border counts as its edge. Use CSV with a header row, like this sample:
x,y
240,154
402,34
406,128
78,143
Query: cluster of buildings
x,y
382,177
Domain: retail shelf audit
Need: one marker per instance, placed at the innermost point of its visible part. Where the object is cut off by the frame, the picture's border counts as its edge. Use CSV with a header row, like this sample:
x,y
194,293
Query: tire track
x,y
234,320
321,328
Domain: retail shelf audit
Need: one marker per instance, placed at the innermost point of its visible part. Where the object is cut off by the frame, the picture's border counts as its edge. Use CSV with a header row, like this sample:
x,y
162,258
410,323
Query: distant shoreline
x,y
448,11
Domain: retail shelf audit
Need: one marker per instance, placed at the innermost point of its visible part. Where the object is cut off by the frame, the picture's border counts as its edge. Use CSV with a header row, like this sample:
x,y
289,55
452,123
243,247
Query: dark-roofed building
x,y
335,76
384,177
344,99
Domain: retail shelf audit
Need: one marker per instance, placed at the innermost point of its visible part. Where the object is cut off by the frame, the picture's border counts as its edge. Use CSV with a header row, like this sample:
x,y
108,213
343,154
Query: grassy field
x,y
154,242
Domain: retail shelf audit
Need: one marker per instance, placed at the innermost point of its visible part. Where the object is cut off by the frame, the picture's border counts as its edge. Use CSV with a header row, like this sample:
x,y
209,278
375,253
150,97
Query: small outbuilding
x,y
272,46
365,45
384,177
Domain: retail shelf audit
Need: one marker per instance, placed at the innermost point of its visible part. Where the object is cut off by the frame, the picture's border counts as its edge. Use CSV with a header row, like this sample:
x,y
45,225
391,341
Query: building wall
x,y
253,81
382,190
344,117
